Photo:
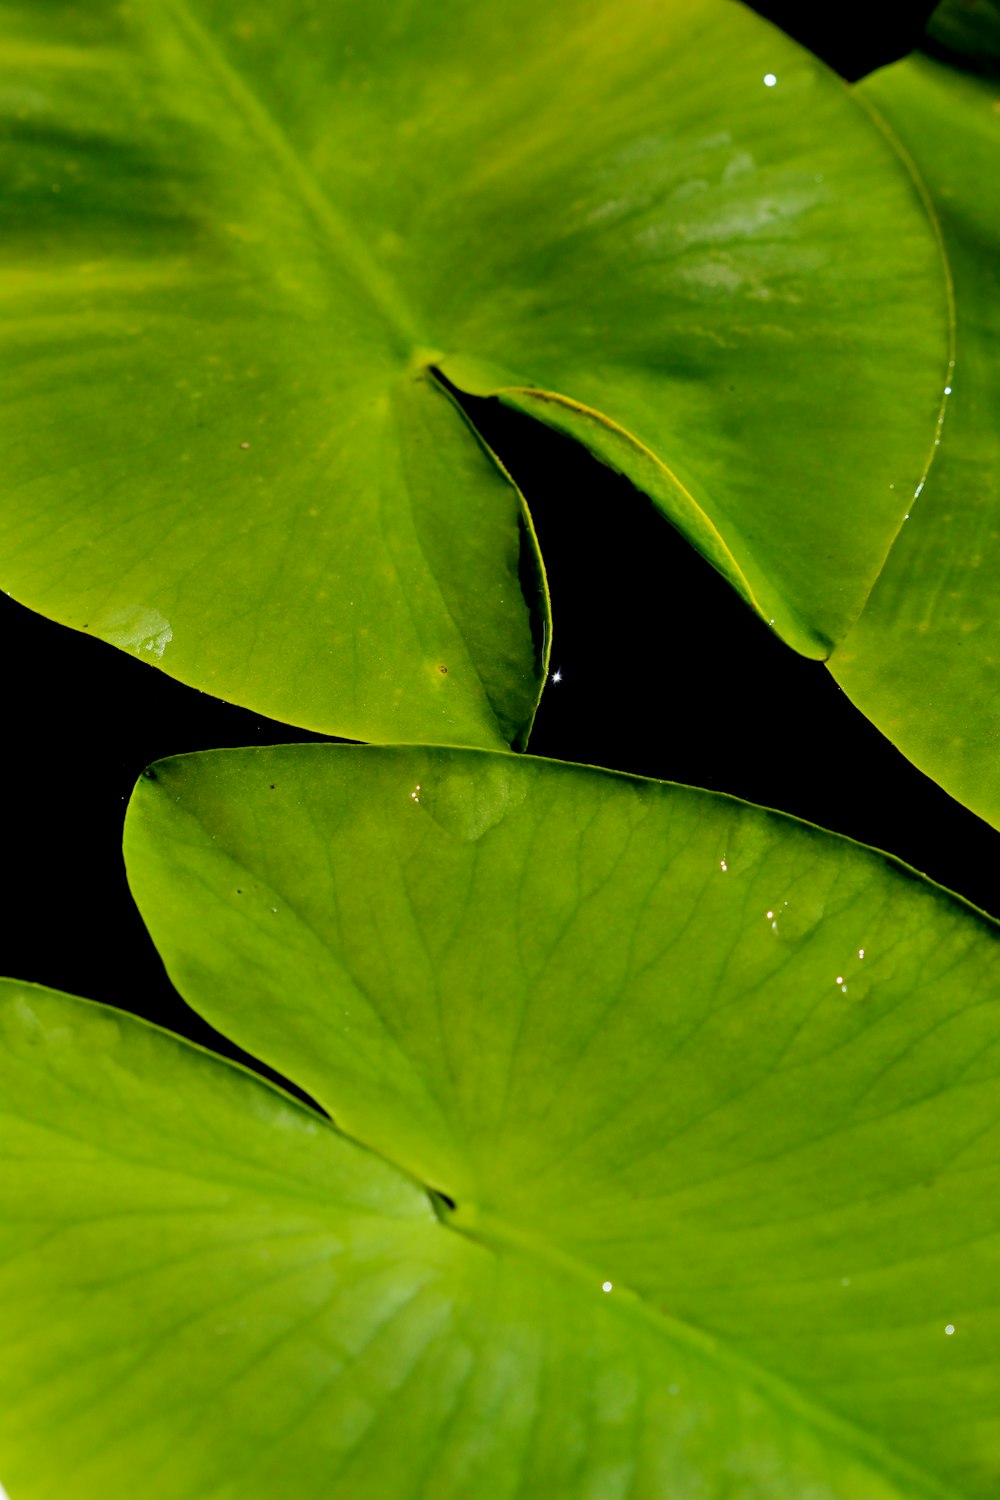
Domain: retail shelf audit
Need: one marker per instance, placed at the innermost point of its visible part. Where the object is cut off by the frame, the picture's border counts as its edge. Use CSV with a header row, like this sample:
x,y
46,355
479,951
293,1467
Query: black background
x,y
665,673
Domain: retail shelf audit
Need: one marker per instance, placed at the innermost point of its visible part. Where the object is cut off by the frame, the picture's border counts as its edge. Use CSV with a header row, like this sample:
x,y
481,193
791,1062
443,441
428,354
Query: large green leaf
x,y
923,661
223,449
714,1094
241,238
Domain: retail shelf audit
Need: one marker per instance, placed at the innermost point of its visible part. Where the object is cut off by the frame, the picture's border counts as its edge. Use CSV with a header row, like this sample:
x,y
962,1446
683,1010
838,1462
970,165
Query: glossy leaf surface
x,y
740,1071
241,237
224,452
923,661
206,1290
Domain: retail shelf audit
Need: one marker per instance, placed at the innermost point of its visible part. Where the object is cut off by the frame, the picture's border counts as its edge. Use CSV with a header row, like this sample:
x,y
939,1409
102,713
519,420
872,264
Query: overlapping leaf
x,y
240,238
923,661
714,1094
967,32
206,1290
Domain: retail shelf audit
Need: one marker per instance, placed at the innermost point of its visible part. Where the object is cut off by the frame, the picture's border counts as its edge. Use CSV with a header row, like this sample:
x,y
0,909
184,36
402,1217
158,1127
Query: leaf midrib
x,y
380,289
502,1238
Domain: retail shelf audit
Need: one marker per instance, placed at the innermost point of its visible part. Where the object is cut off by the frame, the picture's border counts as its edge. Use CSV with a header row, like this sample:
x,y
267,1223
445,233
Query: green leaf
x,y
923,661
195,1270
241,238
228,455
207,1291
740,1070
967,32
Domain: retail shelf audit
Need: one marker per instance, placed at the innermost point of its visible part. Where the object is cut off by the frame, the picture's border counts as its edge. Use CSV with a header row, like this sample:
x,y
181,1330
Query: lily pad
x,y
686,1122
243,241
923,661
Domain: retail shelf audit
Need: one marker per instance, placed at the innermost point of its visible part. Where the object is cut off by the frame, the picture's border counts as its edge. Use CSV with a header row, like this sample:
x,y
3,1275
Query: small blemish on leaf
x,y
468,805
244,445
136,629
443,670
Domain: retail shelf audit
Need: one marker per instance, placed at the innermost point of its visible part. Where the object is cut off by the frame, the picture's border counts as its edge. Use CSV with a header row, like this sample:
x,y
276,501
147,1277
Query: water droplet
x,y
606,1286
947,390
861,953
949,1328
723,866
839,979
769,915
770,80
468,803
